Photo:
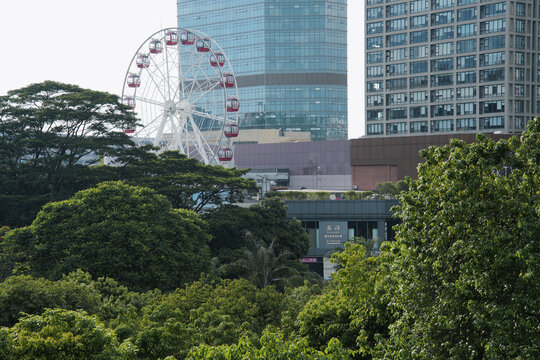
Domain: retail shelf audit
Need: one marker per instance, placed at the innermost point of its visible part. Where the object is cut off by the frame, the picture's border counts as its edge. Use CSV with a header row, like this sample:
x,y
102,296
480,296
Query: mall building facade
x,y
451,66
289,58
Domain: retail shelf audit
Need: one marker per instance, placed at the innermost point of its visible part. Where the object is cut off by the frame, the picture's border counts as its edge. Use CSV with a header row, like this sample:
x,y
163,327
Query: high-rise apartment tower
x,y
451,66
289,58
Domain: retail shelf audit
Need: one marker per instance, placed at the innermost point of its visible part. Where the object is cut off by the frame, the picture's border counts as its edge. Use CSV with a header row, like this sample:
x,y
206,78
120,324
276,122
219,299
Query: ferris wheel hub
x,y
184,106
170,107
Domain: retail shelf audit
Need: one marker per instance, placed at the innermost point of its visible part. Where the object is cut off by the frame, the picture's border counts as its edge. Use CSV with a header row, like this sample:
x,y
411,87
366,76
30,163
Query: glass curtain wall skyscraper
x,y
444,66
289,58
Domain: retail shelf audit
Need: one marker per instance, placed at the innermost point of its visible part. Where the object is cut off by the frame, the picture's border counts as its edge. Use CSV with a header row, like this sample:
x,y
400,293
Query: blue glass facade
x,y
289,58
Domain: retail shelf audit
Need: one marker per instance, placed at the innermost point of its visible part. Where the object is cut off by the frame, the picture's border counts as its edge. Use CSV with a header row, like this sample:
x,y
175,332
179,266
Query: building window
x,y
419,52
495,58
396,10
466,30
375,57
419,112
441,18
396,69
442,64
375,100
418,81
419,97
519,42
442,110
374,2
442,80
519,74
396,113
374,71
396,84
466,93
494,106
396,54
466,109
520,26
520,9
466,14
519,90
492,26
441,4
442,33
442,49
375,129
396,99
495,74
375,28
466,124
375,42
419,67
375,115
396,24
442,95
419,21
419,6
492,42
419,127
519,106
442,125
465,62
460,2
396,39
492,122
492,10
519,121
396,128
488,91
375,13
374,86
466,77
419,36
465,46
519,58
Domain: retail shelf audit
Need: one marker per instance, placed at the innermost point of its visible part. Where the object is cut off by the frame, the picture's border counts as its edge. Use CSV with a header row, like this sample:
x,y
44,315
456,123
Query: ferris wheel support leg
x,y
198,137
159,134
177,135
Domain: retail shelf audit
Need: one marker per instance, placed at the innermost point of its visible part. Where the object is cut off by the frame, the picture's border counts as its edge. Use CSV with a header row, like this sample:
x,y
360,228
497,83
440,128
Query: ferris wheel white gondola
x,y
185,94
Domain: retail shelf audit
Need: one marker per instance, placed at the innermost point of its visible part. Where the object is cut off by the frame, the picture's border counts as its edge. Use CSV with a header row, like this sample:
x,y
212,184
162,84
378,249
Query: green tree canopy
x,y
467,255
49,135
62,335
188,183
128,233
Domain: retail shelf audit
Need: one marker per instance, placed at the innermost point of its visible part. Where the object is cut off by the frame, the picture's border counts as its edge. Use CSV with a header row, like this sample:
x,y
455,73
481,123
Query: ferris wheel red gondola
x,y
171,38
143,61
217,59
231,130
187,38
225,154
155,46
203,45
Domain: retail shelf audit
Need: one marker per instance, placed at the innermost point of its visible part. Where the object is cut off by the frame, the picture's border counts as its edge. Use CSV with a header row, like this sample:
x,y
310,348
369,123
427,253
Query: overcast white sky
x,y
90,43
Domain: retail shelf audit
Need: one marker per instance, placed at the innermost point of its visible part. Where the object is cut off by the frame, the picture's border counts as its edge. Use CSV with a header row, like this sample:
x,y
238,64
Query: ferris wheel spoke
x,y
203,90
154,82
149,101
194,81
209,116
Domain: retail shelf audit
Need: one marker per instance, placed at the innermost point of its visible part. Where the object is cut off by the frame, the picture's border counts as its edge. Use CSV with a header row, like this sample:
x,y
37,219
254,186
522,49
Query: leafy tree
x,y
62,335
205,312
49,135
114,230
271,346
350,308
266,221
467,255
262,266
188,183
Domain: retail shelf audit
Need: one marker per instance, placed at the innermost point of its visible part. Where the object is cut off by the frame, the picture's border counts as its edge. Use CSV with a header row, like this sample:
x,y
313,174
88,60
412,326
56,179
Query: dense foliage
x,y
49,135
125,232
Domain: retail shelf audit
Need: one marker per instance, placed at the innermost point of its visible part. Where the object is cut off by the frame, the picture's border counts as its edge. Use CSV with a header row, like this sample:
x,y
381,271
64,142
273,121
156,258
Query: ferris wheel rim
x,y
199,87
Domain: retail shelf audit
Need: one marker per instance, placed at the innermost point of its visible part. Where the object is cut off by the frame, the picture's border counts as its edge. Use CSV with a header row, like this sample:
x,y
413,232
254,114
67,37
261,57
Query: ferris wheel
x,y
182,86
